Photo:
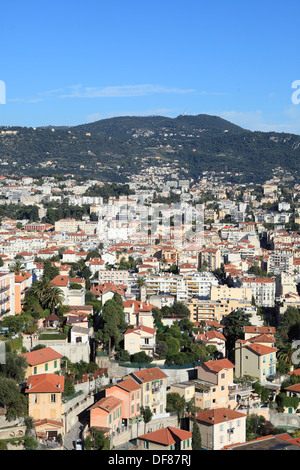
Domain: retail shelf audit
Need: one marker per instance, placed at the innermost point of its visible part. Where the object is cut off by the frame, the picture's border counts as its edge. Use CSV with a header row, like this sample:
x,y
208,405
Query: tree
x,y
112,324
17,267
234,328
14,367
53,298
12,399
146,414
196,437
176,403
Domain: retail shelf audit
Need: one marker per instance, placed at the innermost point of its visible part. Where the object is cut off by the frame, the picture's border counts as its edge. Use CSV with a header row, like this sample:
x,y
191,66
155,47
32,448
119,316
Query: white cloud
x,y
79,91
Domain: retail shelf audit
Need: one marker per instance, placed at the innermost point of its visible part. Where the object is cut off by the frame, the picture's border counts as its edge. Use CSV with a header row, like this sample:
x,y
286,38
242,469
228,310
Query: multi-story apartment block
x,y
221,427
263,290
212,386
214,310
153,382
7,294
256,359
280,262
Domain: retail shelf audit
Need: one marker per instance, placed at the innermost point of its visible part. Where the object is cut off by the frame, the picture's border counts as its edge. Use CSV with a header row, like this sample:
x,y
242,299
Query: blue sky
x,y
67,63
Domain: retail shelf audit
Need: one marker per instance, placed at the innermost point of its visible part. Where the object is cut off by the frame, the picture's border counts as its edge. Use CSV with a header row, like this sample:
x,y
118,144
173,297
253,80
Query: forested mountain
x,y
117,147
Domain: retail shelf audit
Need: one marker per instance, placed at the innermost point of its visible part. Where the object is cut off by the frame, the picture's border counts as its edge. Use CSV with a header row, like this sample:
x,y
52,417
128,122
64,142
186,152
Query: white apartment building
x,y
279,262
183,287
263,290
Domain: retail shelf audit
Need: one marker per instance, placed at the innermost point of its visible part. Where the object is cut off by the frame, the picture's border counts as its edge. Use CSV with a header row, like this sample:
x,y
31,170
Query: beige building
x,y
212,386
223,292
255,359
214,310
185,389
211,257
221,427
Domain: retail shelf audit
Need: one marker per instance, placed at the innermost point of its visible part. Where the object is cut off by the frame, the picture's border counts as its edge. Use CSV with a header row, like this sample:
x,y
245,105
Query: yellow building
x,y
45,403
214,310
154,383
42,361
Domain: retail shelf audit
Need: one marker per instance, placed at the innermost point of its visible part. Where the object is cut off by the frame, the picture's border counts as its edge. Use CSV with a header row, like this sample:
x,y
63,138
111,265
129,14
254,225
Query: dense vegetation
x,y
115,148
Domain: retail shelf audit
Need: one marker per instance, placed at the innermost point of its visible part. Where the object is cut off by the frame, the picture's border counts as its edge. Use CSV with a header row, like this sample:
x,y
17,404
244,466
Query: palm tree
x,y
17,267
141,282
53,297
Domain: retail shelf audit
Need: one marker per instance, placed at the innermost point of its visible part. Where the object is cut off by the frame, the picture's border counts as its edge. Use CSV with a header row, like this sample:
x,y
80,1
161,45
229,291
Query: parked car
x,y
78,445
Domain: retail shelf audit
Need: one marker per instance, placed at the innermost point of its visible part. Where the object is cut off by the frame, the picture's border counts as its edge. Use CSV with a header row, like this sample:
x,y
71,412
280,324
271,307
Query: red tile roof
x,y
148,375
167,436
45,383
218,415
41,356
220,364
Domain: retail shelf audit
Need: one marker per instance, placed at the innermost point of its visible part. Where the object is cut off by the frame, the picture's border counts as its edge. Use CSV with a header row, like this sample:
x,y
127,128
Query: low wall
x,y
284,419
12,432
74,352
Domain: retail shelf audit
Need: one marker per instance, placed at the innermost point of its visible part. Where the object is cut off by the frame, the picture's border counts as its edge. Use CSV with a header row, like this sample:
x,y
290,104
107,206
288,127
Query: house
x,y
138,313
153,382
212,385
130,393
293,391
45,403
140,338
255,359
106,414
45,360
165,439
70,296
184,389
212,338
220,427
52,321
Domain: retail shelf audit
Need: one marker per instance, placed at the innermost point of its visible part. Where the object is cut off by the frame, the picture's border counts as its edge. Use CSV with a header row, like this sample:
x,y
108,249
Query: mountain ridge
x,y
121,146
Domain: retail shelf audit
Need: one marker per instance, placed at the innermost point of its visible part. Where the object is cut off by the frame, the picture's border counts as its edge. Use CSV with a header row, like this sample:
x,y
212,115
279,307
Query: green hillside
x,y
115,148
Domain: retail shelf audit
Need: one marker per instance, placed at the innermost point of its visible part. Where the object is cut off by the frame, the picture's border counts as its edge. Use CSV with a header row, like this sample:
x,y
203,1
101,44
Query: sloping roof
x,y
220,364
218,415
167,436
107,403
41,355
261,349
45,383
148,375
129,385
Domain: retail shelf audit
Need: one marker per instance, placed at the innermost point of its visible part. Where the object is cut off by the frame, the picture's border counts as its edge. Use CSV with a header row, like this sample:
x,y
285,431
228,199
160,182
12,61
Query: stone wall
x,y
284,419
74,352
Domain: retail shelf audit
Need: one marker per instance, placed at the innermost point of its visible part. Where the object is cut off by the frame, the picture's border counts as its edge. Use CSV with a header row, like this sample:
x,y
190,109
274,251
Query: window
x,y
46,366
35,370
53,398
55,364
222,376
146,445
